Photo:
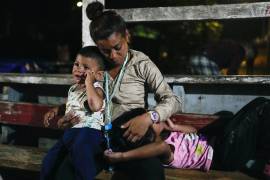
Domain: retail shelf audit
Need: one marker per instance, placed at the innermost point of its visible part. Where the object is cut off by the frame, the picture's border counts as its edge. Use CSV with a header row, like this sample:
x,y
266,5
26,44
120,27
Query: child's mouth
x,y
80,78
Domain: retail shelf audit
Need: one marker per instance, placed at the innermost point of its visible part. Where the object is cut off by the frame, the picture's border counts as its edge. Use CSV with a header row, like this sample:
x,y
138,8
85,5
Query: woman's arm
x,y
167,102
56,111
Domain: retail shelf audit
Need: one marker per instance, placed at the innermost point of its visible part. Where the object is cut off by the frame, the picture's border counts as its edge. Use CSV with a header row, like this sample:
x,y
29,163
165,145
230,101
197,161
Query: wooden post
x,y
86,38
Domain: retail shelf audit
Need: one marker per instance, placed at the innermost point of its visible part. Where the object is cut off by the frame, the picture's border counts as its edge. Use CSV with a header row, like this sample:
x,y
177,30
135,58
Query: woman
x,y
131,76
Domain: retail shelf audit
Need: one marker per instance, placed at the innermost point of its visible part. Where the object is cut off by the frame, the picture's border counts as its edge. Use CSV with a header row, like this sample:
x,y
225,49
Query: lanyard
x,y
108,116
109,95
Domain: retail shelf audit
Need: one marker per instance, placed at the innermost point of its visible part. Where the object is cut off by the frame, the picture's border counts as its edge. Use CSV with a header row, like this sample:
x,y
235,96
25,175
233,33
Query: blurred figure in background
x,y
222,57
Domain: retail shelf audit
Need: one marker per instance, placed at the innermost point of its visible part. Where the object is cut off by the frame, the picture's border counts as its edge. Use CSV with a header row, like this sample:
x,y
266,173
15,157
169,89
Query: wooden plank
x,y
66,79
24,114
45,79
202,12
231,79
188,174
28,158
196,120
24,158
30,114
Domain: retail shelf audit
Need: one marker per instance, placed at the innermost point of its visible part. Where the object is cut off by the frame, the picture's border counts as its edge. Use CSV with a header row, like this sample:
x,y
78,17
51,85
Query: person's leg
x,y
216,128
52,158
66,170
56,155
144,169
239,142
83,151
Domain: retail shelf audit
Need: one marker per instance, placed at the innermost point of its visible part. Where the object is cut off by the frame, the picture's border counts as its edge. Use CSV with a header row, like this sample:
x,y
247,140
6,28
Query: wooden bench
x,y
29,158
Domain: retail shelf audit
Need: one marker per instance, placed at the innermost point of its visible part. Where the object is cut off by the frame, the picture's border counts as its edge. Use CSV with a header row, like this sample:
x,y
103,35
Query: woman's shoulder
x,y
138,57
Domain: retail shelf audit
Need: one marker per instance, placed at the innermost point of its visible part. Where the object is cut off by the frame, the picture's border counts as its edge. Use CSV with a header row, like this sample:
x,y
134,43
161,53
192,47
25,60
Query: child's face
x,y
81,65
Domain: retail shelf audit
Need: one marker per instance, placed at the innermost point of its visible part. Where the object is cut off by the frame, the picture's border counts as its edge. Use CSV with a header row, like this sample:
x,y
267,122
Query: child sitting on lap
x,y
84,108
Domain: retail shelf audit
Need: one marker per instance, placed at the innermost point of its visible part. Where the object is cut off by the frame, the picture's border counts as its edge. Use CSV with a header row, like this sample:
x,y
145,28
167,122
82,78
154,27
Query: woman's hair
x,y
104,23
94,53
165,134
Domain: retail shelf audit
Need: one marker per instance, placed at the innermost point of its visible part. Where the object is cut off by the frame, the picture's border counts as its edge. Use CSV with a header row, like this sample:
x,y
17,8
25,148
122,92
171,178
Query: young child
x,y
181,148
241,143
84,108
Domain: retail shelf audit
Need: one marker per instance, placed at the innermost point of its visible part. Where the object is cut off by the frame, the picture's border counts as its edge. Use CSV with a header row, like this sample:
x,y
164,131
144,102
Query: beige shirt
x,y
77,104
142,76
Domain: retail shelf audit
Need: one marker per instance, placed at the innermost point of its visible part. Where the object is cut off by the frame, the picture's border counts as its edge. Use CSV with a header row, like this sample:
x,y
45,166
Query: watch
x,y
154,116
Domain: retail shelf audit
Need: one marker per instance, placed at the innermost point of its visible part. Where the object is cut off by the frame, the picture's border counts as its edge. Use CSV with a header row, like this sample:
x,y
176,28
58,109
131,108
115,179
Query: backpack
x,y
246,137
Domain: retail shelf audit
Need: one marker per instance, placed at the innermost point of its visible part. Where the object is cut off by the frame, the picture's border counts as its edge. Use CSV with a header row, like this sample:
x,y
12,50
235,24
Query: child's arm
x,y
94,95
171,126
158,148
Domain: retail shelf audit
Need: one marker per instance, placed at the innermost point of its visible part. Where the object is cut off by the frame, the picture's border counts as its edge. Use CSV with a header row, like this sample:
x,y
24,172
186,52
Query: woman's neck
x,y
114,71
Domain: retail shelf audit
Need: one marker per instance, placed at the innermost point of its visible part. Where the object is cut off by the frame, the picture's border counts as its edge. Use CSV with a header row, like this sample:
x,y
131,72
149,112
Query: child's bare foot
x,y
113,157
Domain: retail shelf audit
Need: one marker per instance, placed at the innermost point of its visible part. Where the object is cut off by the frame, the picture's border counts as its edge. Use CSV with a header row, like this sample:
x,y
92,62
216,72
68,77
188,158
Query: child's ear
x,y
99,75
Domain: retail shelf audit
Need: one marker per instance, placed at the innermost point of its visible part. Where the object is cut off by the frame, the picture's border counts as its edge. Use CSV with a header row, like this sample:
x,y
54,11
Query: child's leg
x,y
49,162
55,155
83,151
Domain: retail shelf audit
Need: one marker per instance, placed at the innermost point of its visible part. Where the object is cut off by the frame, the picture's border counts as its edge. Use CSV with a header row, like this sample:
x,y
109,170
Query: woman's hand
x,y
137,127
113,157
69,120
49,116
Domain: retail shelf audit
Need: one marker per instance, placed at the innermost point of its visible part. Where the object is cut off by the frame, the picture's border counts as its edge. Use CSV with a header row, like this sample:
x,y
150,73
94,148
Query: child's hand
x,y
49,116
169,125
113,157
90,77
69,120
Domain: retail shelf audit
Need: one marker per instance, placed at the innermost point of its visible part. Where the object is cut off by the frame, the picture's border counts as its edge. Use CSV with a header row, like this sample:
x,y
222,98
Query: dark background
x,y
34,29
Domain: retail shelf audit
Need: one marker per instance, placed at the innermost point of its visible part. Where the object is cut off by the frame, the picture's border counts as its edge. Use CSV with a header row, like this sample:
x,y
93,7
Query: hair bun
x,y
94,10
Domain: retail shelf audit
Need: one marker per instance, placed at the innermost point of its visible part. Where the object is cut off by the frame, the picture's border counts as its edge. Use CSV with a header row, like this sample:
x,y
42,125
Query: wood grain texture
x,y
202,12
66,79
27,158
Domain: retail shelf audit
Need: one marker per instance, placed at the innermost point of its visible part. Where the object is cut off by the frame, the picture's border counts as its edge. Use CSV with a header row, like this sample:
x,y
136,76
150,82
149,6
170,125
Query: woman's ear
x,y
99,75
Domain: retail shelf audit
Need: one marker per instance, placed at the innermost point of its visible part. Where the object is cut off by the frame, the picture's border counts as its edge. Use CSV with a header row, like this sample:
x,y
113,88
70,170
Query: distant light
x,y
79,4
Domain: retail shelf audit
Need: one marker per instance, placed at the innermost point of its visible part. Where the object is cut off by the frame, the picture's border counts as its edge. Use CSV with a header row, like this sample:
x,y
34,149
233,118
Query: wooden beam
x,y
30,158
46,79
27,114
202,12
86,38
231,79
30,114
66,79
24,158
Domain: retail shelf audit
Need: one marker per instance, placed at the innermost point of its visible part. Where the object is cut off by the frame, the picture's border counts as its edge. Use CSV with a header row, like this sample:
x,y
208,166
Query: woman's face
x,y
115,47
